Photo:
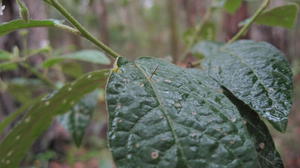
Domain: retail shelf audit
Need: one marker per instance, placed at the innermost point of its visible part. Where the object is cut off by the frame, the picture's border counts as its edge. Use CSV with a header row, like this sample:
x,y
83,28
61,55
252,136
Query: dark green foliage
x,y
165,116
256,73
264,145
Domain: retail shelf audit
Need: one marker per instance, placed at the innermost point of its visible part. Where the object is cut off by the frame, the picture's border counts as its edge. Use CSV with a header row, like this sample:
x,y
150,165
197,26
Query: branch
x,y
81,29
245,28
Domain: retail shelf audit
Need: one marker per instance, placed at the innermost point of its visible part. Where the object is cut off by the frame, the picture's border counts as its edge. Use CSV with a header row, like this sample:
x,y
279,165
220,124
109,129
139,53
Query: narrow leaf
x,y
39,117
283,16
92,56
12,117
256,73
161,115
14,25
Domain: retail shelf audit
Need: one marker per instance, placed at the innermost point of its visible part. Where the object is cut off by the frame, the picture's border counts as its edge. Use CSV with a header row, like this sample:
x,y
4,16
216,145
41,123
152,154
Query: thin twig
x,y
245,28
83,31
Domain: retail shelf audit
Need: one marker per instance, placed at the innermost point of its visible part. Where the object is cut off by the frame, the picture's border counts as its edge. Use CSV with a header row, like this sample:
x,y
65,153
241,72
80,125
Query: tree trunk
x,y
7,104
193,9
38,37
231,22
171,5
100,8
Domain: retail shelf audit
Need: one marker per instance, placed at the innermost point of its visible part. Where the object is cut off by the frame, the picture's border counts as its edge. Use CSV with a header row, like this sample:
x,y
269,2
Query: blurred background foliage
x,y
134,28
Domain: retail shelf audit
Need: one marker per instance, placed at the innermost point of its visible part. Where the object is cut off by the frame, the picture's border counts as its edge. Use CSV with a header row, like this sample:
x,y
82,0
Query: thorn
x,y
154,72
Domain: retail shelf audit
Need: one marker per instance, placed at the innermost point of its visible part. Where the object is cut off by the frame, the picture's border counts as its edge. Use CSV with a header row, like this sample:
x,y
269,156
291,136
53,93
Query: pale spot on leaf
x,y
154,155
262,145
47,103
27,119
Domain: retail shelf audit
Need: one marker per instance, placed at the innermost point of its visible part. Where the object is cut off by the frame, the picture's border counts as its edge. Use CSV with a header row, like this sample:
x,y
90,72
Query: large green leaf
x,y
78,118
92,56
255,72
14,25
161,115
284,16
39,117
264,145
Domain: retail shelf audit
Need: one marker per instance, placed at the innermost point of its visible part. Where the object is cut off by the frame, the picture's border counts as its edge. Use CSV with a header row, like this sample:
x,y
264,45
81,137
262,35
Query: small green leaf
x,y
78,118
14,25
232,5
8,66
207,32
14,147
4,55
161,115
256,73
283,16
92,56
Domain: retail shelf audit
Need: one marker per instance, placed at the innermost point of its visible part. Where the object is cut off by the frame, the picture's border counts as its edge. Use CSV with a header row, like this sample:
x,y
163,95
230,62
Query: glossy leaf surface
x,y
255,72
162,116
260,135
15,146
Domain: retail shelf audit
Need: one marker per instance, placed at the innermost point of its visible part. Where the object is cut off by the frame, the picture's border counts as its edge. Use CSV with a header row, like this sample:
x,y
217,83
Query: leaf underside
x,y
256,73
14,147
14,25
165,116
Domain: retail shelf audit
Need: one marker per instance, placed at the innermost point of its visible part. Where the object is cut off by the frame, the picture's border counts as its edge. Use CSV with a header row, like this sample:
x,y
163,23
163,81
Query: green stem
x,y
83,31
245,28
39,75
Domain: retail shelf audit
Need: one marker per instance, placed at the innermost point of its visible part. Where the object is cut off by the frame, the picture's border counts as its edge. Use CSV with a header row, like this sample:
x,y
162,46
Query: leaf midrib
x,y
168,118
